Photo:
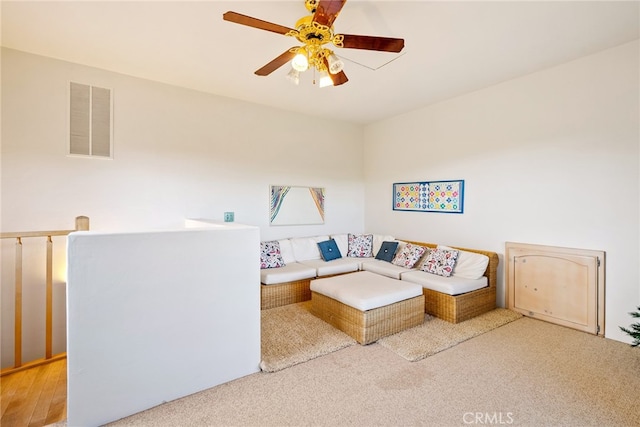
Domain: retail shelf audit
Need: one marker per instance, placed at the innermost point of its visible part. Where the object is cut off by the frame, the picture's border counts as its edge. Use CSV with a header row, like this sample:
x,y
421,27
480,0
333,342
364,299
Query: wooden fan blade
x,y
285,57
255,23
337,78
327,11
385,44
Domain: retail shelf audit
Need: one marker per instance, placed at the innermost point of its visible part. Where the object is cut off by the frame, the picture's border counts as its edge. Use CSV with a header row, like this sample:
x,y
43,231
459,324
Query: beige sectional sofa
x,y
470,290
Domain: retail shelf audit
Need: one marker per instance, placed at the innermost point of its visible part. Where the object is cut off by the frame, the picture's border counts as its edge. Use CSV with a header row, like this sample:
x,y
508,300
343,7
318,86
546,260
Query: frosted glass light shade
x,y
325,79
335,64
294,76
300,62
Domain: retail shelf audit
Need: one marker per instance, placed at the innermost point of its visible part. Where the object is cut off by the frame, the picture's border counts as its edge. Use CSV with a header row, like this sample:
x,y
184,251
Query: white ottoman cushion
x,y
365,290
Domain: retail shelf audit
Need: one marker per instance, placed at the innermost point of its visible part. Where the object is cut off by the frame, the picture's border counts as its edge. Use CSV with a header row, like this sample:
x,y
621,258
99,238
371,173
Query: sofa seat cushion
x,y
365,290
447,285
336,266
383,267
289,273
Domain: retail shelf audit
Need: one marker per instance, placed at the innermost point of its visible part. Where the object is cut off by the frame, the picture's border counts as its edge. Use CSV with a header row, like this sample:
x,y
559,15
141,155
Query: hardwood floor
x,y
35,396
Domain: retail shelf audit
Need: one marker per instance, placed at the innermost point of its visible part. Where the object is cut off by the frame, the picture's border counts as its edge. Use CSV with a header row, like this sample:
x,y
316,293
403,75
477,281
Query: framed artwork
x,y
429,196
291,205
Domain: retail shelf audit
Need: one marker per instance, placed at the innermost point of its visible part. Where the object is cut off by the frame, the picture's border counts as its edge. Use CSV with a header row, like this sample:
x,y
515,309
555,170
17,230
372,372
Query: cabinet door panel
x,y
559,285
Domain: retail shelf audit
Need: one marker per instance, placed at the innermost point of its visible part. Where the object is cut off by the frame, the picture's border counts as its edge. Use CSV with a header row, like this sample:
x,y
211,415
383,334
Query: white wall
x,y
177,154
550,158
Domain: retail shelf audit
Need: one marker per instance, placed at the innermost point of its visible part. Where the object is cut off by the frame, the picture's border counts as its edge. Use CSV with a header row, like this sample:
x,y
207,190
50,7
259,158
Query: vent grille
x,y
90,121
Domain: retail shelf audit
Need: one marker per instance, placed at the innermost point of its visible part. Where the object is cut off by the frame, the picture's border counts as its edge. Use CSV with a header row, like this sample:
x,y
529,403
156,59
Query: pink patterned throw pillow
x,y
360,245
409,255
270,256
440,262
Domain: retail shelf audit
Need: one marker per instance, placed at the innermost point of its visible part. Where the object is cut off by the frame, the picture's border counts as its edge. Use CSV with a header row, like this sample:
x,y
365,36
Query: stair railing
x,y
82,224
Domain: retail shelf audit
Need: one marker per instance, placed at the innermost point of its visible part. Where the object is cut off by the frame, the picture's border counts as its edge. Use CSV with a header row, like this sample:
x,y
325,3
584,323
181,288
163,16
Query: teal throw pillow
x,y
329,250
387,251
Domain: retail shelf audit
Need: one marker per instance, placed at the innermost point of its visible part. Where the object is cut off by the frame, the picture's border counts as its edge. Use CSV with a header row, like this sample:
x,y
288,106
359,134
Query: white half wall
x,y
551,158
155,316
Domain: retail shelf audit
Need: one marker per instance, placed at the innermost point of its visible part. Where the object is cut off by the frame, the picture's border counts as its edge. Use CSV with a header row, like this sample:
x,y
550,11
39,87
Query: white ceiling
x,y
451,47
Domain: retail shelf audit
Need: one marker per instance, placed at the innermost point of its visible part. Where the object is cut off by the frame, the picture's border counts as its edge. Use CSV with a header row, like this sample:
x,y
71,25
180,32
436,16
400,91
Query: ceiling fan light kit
x,y
314,31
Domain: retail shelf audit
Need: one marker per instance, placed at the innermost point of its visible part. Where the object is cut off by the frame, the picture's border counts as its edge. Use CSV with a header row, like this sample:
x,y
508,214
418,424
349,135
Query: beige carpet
x,y
435,335
292,335
526,373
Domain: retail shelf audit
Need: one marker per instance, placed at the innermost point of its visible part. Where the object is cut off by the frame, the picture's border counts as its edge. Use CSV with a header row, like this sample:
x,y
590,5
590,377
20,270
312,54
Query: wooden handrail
x,y
82,224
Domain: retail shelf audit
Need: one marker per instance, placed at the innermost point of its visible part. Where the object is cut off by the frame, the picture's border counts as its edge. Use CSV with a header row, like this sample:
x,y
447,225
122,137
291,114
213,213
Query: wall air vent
x,y
90,118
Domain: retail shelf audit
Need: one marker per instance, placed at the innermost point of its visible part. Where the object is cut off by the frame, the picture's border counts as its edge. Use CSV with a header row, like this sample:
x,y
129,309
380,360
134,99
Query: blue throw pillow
x,y
329,250
387,250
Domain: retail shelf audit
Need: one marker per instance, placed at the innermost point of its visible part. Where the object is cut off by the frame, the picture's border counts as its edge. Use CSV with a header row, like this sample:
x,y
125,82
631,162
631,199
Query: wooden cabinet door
x,y
559,285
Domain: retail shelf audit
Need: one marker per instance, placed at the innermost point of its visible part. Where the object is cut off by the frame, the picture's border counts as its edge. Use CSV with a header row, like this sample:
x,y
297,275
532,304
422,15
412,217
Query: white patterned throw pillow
x,y
270,256
408,255
469,265
360,245
440,261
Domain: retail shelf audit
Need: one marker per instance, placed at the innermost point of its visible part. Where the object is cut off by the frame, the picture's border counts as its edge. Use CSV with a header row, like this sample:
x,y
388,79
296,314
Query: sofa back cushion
x,y
306,248
470,265
342,240
286,250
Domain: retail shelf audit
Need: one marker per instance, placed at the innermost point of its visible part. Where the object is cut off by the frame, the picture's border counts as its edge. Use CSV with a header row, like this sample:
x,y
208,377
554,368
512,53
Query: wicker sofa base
x,y
371,325
284,293
458,308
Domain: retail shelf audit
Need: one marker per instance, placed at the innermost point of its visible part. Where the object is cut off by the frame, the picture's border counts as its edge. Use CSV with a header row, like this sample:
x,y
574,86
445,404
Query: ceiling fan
x,y
314,31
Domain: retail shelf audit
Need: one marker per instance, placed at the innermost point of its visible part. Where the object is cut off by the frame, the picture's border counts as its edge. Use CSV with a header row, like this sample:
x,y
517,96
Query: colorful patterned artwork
x,y
429,196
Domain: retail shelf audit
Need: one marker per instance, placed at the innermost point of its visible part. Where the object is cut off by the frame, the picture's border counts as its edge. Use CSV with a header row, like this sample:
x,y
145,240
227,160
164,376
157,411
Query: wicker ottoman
x,y
367,306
